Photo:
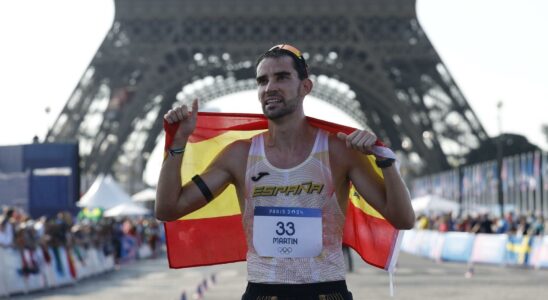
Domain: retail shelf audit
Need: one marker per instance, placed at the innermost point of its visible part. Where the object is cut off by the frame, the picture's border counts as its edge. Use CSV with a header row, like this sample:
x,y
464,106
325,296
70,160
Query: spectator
x,y
6,228
445,223
523,226
423,222
537,227
464,224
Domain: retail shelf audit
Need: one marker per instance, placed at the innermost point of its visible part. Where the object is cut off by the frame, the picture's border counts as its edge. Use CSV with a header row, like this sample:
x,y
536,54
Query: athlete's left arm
x,y
390,198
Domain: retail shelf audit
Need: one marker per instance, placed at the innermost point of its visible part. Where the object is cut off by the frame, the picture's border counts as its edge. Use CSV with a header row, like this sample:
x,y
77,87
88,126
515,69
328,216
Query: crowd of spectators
x,y
520,225
121,237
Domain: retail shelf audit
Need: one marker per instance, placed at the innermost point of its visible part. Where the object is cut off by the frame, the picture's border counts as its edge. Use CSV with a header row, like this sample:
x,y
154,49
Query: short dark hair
x,y
282,50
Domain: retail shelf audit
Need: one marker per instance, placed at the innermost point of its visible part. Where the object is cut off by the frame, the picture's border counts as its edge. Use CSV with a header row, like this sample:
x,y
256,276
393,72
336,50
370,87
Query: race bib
x,y
287,231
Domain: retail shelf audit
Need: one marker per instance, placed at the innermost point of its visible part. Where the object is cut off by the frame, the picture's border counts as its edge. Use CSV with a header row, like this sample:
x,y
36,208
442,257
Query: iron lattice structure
x,y
369,58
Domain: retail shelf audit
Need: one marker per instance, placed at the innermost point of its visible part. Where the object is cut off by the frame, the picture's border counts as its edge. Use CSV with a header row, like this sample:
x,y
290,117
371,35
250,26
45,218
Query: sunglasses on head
x,y
289,48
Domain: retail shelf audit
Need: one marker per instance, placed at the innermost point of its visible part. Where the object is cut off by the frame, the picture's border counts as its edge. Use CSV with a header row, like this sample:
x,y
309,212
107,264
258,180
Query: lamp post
x,y
47,110
499,159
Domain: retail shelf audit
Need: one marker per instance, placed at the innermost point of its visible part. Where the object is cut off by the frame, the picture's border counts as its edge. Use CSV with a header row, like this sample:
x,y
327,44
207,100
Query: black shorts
x,y
331,290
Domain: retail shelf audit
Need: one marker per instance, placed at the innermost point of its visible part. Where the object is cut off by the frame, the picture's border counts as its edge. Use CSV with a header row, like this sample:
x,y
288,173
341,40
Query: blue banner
x,y
457,246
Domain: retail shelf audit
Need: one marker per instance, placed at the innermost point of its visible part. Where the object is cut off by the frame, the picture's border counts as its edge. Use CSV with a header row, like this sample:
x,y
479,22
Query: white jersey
x,y
308,185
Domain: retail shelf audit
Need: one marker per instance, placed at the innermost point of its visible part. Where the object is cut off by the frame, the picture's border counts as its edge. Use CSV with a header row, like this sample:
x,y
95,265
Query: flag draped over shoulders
x,y
214,234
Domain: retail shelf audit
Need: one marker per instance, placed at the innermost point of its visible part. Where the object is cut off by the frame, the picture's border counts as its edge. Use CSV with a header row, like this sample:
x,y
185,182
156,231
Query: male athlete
x,y
312,167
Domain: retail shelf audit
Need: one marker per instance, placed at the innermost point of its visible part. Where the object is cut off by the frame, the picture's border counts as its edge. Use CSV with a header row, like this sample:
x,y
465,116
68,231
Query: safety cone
x,y
199,293
204,284
470,272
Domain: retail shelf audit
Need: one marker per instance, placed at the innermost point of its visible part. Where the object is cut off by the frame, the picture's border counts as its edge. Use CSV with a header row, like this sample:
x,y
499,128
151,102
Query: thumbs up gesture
x,y
360,140
186,119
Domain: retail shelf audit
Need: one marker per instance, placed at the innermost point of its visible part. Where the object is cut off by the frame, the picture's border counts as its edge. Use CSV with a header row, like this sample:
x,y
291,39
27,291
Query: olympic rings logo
x,y
285,250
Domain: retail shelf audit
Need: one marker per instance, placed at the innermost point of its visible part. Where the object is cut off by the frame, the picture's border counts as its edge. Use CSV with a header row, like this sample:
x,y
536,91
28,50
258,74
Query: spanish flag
x,y
214,234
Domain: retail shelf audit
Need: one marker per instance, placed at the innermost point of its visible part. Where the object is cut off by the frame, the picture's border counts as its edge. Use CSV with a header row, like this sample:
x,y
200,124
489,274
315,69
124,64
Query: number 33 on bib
x,y
287,231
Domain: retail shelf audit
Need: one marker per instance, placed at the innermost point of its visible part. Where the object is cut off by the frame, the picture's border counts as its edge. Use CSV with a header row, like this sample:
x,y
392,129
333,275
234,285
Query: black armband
x,y
175,151
385,163
203,187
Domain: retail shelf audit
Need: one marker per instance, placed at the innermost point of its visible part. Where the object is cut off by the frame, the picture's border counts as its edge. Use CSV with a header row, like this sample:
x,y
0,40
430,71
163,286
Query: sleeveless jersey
x,y
269,186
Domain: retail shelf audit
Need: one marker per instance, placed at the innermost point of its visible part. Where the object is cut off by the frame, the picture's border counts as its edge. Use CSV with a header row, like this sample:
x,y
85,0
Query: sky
x,y
494,49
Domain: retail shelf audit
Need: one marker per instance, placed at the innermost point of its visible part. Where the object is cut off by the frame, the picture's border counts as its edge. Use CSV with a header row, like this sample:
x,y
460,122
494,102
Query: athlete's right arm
x,y
173,200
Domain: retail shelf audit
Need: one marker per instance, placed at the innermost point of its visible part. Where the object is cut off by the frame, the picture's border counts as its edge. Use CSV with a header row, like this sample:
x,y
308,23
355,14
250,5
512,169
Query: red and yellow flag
x,y
214,234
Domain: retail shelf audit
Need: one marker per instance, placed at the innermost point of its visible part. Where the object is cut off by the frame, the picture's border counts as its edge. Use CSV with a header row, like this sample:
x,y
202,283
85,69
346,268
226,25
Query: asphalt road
x,y
416,278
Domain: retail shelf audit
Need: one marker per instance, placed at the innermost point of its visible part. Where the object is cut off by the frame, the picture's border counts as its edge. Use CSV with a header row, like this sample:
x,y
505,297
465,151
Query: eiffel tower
x,y
370,58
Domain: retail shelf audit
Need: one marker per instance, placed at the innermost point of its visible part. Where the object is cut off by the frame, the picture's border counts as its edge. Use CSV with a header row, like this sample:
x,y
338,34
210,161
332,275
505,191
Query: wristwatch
x,y
384,163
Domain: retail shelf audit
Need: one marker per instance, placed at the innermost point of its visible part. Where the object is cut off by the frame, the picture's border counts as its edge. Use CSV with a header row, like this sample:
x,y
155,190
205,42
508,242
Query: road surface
x,y
416,278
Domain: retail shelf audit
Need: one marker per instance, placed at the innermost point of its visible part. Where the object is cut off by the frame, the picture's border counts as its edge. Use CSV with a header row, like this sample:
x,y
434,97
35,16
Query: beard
x,y
285,109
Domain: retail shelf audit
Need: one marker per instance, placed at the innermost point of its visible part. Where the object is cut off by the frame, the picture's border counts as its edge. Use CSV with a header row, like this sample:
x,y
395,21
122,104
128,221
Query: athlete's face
x,y
280,90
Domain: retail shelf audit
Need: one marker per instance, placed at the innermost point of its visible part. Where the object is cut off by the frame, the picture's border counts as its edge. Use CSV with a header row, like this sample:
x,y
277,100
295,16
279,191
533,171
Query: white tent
x,y
104,193
148,194
127,209
433,204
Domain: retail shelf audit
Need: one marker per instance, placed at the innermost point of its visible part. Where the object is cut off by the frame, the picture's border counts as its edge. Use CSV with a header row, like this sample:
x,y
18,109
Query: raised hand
x,y
185,118
360,140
